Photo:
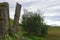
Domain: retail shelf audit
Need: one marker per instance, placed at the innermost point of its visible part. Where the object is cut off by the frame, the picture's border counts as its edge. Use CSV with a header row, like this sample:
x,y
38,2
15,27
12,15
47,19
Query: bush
x,y
33,24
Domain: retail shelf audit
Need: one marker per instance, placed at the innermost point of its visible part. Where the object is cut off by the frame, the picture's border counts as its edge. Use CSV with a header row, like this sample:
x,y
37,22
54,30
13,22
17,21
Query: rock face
x,y
4,19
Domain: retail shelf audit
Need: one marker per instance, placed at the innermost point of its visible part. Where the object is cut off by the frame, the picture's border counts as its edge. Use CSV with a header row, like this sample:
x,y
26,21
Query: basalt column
x,y
4,19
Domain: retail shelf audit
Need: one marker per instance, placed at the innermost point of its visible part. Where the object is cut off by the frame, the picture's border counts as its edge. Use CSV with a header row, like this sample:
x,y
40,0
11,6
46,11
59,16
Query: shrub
x,y
32,24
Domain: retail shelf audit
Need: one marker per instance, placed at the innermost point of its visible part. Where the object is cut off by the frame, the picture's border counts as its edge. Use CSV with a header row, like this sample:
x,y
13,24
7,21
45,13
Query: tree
x,y
33,24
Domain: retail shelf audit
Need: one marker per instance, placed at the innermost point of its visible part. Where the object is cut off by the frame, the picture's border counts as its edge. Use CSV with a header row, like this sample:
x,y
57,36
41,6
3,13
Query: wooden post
x,y
17,16
4,20
16,20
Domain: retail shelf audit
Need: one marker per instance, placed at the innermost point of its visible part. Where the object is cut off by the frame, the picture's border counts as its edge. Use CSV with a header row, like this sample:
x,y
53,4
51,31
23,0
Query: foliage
x,y
33,24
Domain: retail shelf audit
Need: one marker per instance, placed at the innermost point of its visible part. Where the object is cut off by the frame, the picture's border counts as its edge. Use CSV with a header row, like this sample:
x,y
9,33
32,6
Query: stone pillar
x,y
16,17
4,20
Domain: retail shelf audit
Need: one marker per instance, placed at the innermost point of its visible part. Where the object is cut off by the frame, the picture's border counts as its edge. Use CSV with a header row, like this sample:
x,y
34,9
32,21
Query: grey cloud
x,y
30,3
56,18
45,4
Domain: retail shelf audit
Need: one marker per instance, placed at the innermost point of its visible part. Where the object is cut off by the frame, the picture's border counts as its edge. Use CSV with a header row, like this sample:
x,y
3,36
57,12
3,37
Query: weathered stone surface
x,y
16,17
4,19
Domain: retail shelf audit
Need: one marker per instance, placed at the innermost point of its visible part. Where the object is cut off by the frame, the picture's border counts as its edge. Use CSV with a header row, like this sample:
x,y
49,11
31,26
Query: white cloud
x,y
52,22
49,7
24,1
51,14
54,7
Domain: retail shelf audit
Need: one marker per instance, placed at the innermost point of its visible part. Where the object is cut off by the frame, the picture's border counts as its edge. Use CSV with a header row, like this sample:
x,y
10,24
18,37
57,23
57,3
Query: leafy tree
x,y
33,24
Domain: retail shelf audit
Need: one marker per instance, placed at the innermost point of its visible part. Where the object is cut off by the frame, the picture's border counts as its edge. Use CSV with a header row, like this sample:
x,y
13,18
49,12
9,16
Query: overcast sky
x,y
50,8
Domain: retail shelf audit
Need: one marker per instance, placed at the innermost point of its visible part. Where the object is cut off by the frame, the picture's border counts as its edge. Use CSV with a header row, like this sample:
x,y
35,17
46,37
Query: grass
x,y
53,34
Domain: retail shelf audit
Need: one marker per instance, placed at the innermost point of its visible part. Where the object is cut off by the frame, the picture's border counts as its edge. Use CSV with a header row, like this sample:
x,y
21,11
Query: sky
x,y
49,8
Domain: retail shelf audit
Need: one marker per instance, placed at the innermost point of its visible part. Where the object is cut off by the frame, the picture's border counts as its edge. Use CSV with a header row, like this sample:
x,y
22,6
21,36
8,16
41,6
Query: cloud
x,y
49,8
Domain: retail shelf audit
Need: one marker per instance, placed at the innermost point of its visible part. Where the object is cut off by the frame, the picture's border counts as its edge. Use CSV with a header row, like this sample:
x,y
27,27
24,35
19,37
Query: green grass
x,y
53,34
